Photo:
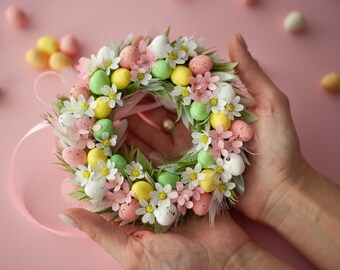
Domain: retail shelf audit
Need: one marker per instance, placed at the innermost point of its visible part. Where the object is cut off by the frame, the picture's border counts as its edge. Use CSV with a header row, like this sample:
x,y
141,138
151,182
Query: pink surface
x,y
295,62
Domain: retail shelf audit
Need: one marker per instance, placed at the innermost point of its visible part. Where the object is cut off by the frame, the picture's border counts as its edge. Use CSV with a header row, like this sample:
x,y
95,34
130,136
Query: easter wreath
x,y
126,187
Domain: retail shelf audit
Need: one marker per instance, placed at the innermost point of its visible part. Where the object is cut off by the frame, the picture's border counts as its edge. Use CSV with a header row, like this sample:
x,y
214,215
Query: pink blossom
x,y
218,149
82,131
210,81
147,60
197,83
219,133
202,95
117,183
115,199
232,145
183,199
196,193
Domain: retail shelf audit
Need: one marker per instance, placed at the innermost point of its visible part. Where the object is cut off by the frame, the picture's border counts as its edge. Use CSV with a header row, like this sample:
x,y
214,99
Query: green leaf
x,y
159,228
189,158
79,195
140,158
249,116
224,66
167,32
104,211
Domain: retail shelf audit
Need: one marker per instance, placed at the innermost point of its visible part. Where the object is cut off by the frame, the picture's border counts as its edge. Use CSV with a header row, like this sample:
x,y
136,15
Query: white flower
x,y
107,59
192,176
174,56
147,210
222,169
134,170
140,76
85,107
106,143
186,45
201,140
70,106
217,101
111,96
223,189
106,170
162,195
84,174
184,92
233,108
87,66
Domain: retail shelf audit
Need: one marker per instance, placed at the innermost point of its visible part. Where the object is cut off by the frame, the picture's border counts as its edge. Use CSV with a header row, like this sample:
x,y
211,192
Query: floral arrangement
x,y
125,185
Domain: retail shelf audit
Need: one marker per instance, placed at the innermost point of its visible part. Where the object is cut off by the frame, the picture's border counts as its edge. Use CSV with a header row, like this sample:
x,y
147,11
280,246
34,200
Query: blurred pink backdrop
x,y
295,62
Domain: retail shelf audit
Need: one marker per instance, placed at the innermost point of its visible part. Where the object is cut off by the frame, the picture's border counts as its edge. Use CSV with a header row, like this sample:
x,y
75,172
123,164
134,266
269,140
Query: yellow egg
x,y
220,118
47,44
58,61
94,155
209,183
37,58
180,75
102,109
141,190
331,82
121,77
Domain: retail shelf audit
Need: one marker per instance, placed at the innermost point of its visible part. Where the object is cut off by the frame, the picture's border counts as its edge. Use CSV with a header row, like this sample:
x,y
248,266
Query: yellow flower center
x,y
172,56
86,174
193,176
85,106
112,95
204,138
140,76
213,102
135,173
71,109
105,171
222,188
219,170
184,48
163,195
107,143
108,63
149,209
230,107
185,92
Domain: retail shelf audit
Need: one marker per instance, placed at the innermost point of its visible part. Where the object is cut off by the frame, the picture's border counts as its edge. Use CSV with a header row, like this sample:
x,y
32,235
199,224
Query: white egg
x,y
157,46
227,90
66,119
95,189
167,215
294,21
236,164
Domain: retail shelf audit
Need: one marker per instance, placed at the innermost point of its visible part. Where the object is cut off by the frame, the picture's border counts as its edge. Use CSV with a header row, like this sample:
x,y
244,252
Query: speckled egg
x,y
141,190
102,109
97,81
235,164
103,125
157,46
94,155
168,178
69,45
127,211
226,89
36,58
331,82
241,130
74,156
167,215
198,111
162,70
129,57
200,64
209,182
180,75
205,159
95,189
79,89
58,61
48,45
16,17
120,163
220,119
121,78
201,206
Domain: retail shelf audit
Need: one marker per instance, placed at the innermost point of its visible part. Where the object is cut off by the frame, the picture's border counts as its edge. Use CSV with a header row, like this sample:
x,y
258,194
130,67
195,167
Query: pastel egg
x,y
102,109
127,211
94,155
120,163
180,75
129,57
200,64
121,78
103,125
58,61
136,39
205,159
226,90
201,206
331,82
294,21
209,182
74,156
37,59
220,119
168,178
69,45
235,164
241,130
249,2
97,81
48,45
16,17
95,189
198,111
162,70
167,215
78,90
157,46
141,190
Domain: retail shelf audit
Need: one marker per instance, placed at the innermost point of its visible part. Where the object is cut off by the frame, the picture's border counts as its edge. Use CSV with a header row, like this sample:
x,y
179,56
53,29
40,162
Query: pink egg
x,y
74,156
69,45
129,57
77,90
201,206
127,211
16,17
241,130
200,64
249,2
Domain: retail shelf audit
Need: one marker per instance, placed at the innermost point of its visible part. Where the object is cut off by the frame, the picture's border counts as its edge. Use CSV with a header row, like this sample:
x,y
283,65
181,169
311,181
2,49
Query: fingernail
x,y
68,220
241,39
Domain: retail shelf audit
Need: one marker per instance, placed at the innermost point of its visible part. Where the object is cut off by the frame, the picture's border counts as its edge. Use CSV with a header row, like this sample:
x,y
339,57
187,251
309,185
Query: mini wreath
x,y
126,187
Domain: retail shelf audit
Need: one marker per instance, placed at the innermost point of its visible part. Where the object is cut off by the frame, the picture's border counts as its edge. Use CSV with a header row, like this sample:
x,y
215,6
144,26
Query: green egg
x,y
120,163
198,111
106,125
98,80
168,178
205,159
162,70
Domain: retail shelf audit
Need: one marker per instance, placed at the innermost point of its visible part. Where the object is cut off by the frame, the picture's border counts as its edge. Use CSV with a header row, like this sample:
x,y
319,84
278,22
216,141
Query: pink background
x,y
295,62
